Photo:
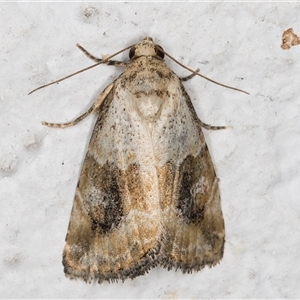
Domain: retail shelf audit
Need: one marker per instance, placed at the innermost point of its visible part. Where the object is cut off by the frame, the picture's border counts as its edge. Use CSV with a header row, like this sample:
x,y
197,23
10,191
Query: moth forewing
x,y
148,194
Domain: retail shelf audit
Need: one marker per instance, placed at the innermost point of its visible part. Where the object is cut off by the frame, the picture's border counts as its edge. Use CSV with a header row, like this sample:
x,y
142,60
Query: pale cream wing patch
x,y
188,187
115,229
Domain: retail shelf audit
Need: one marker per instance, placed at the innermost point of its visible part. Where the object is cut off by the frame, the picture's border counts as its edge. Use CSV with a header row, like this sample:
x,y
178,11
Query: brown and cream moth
x,y
148,193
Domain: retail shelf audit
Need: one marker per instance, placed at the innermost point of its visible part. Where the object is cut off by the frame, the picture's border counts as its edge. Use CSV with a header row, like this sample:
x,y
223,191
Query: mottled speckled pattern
x,y
148,193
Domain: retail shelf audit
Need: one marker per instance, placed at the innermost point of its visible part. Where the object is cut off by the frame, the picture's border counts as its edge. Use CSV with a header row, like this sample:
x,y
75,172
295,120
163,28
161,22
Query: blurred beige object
x,y
289,39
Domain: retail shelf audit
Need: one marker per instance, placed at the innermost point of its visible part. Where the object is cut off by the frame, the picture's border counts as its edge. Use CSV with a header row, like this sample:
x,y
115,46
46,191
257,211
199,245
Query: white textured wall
x,y
257,159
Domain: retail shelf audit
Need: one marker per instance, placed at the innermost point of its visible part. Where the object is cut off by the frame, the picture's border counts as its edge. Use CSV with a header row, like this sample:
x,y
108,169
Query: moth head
x,y
146,48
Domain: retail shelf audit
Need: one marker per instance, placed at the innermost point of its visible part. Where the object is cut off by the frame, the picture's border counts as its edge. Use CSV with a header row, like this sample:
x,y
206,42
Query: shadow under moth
x,y
148,194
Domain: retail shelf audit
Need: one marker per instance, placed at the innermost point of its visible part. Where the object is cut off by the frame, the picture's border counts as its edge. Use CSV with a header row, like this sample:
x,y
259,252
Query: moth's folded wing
x,y
115,225
189,193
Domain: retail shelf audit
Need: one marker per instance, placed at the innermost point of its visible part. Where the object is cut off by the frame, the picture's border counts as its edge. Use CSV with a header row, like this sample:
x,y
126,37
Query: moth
x,y
148,193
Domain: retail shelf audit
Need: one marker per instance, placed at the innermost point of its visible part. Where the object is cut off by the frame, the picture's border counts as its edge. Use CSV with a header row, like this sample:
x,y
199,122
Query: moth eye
x,y
131,52
159,51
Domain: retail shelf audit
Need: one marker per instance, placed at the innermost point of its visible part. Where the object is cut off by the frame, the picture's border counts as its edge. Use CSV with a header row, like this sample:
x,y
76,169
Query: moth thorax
x,y
149,106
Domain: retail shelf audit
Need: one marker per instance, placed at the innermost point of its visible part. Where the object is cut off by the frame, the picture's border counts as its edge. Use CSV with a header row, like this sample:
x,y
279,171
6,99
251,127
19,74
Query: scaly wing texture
x,y
148,193
115,229
189,194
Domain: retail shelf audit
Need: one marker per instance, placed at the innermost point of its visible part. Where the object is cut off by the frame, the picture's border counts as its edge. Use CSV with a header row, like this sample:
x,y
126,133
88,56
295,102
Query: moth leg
x,y
91,110
99,60
190,76
211,127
